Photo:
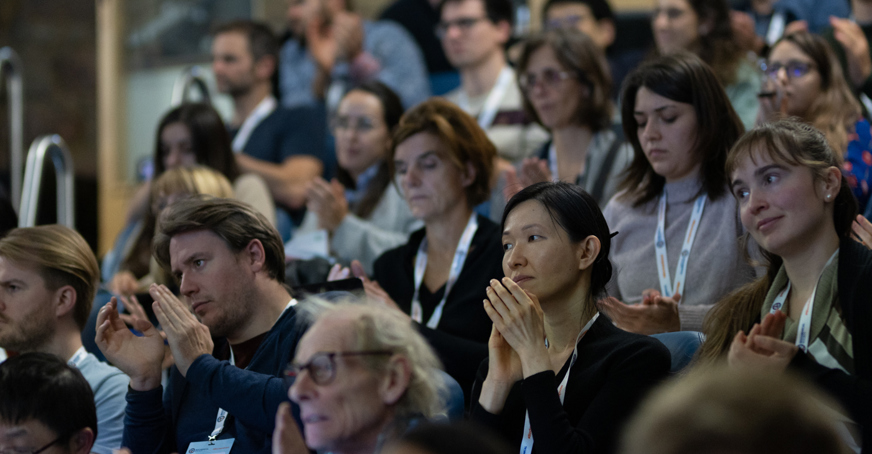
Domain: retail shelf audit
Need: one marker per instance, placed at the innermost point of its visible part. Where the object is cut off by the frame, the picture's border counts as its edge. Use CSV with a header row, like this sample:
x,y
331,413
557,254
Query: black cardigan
x,y
613,373
854,392
461,337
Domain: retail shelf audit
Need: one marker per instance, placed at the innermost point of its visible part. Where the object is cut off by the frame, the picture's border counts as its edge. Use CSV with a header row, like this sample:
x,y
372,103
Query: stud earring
x,y
829,196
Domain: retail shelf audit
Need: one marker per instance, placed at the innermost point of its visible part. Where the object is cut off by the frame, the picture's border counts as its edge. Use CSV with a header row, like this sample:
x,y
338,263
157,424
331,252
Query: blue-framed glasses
x,y
793,69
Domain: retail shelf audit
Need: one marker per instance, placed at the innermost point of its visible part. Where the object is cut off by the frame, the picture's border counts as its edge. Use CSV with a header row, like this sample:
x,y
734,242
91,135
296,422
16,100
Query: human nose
x,y
173,158
187,286
660,20
650,132
302,388
411,178
515,258
756,202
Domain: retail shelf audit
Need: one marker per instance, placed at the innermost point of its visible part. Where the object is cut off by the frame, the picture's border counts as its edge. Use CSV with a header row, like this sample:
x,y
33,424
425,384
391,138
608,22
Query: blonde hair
x,y
719,409
61,256
377,328
191,180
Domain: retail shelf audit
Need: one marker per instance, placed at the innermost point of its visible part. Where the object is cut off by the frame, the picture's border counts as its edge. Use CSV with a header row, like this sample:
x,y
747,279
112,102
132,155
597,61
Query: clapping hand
x,y
187,337
137,356
761,348
656,313
327,201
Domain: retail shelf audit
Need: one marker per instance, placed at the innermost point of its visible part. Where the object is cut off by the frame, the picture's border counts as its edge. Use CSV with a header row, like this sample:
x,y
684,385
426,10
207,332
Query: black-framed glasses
x,y
464,24
549,77
322,365
28,451
793,68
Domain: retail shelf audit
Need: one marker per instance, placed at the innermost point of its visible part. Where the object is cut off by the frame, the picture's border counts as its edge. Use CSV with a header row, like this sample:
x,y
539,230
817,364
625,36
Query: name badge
x,y
211,447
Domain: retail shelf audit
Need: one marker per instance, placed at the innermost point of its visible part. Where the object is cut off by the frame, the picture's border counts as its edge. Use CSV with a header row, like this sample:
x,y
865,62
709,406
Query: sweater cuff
x,y
692,316
144,406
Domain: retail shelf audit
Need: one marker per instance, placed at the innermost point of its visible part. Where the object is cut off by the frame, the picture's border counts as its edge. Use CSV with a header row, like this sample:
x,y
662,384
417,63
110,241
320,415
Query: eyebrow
x,y
188,260
526,227
659,109
758,173
13,281
424,155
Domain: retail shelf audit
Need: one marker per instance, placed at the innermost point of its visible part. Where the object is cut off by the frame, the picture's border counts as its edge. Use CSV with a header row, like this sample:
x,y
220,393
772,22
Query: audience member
x,y
596,19
230,265
567,90
805,81
48,276
716,411
814,299
681,125
849,39
703,28
814,16
556,244
362,375
442,161
363,211
474,33
420,18
284,146
139,269
453,438
332,48
45,404
758,24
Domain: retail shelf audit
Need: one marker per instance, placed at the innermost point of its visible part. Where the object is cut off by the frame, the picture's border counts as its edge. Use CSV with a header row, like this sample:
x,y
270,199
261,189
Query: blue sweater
x,y
190,404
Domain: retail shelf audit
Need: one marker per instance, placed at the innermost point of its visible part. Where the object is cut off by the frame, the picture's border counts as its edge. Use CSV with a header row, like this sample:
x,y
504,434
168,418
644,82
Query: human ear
x,y
468,175
607,32
831,183
256,255
82,441
505,30
64,300
397,376
265,66
587,252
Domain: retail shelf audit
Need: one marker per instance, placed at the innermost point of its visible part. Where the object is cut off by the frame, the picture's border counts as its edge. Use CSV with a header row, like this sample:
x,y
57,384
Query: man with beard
x,y
48,276
229,354
284,146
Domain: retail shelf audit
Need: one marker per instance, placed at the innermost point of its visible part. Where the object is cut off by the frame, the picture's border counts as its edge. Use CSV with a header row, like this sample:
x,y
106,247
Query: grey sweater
x,y
716,265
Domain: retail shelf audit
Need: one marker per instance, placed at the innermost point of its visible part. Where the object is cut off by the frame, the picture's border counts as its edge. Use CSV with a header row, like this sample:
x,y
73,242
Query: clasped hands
x,y
762,347
140,357
655,314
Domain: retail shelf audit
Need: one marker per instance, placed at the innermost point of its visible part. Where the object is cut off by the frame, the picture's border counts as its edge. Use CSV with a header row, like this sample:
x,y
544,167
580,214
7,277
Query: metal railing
x,y
53,146
192,77
10,70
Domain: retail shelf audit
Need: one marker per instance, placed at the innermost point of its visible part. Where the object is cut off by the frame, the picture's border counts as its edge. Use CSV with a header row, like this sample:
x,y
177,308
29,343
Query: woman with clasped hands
x,y
558,374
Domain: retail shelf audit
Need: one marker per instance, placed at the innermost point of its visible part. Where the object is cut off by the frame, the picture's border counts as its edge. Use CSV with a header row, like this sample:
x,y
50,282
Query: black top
x,y
461,337
420,20
614,372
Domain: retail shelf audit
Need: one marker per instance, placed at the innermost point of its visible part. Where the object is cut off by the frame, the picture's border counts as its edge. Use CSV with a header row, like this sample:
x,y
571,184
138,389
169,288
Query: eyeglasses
x,y
28,451
464,24
793,68
322,365
360,124
550,77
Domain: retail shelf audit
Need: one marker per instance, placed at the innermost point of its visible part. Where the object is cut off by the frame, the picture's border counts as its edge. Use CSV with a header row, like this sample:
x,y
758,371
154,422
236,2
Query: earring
x,y
829,196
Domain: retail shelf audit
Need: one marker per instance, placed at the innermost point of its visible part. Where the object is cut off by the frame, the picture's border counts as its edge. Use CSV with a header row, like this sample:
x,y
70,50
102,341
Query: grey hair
x,y
378,328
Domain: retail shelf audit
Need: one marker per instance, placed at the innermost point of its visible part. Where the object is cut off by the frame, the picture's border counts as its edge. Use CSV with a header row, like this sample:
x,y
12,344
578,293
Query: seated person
x,y
474,34
284,146
48,276
332,48
567,90
681,125
556,262
187,135
442,161
45,404
758,24
595,19
361,376
719,410
230,340
363,210
703,28
441,438
808,313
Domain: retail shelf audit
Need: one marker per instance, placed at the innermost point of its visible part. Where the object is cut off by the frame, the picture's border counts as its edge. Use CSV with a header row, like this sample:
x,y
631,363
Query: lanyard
x,y
552,162
776,27
456,265
667,288
527,440
804,329
492,102
222,413
78,357
263,109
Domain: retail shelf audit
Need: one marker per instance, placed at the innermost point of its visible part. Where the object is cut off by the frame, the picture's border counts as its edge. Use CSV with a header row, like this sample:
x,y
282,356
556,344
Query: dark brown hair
x,y
578,54
466,141
209,139
684,78
796,144
262,41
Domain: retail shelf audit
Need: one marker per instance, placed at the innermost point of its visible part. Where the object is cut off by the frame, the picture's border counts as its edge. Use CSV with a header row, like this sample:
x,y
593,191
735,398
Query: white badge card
x,y
211,447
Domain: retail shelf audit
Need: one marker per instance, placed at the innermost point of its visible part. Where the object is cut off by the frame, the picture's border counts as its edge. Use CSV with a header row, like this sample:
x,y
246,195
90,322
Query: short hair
x,y
262,42
684,78
376,328
237,223
578,214
61,256
462,136
210,141
720,409
600,8
42,387
195,179
576,52
496,10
